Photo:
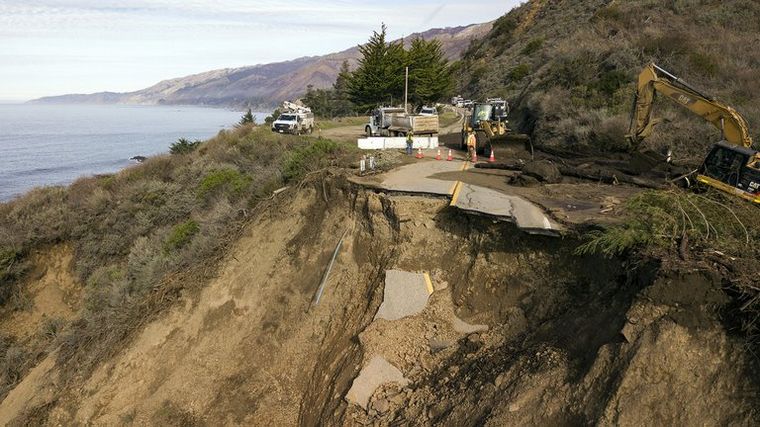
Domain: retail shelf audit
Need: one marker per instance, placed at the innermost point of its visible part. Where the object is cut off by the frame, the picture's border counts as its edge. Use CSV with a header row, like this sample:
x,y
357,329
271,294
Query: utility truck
x,y
294,119
392,121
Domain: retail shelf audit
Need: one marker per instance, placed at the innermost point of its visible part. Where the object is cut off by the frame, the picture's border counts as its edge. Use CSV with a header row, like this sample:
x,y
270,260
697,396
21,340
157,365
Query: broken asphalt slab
x,y
416,178
405,294
527,216
376,373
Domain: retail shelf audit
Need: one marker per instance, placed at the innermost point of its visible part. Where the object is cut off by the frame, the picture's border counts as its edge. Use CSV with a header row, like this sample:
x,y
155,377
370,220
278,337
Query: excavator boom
x,y
654,79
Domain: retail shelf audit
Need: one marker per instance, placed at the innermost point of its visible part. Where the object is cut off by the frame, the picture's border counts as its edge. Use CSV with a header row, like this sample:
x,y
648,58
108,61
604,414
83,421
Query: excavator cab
x,y
732,165
732,169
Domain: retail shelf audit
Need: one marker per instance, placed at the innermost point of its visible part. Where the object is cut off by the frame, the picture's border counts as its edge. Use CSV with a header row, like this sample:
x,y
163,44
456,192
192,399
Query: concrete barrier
x,y
383,143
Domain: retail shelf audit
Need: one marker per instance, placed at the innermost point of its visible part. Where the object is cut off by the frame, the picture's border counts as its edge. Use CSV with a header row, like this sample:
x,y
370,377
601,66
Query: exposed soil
x,y
571,340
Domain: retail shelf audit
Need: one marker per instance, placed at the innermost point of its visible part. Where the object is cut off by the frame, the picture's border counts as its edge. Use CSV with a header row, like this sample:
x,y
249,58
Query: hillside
x,y
568,67
266,84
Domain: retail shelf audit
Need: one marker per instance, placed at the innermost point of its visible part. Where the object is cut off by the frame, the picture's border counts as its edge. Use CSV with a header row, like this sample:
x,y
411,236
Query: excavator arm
x,y
654,79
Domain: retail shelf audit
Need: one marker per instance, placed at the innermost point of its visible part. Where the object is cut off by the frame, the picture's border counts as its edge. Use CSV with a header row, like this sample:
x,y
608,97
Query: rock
x,y
543,170
381,406
523,180
139,159
439,344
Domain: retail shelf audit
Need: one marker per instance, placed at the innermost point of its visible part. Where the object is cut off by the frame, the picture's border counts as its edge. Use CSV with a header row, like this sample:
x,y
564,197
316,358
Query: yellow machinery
x,y
488,121
732,165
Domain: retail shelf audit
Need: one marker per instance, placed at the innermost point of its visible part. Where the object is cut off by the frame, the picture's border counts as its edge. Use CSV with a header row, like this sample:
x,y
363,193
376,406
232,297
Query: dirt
x,y
570,340
52,293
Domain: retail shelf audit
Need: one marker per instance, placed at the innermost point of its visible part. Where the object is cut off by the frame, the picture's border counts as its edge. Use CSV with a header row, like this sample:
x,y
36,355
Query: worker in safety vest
x,y
409,142
471,145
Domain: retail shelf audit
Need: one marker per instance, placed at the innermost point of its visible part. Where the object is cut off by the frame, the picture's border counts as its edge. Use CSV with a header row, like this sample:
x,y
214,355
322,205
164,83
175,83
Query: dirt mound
x,y
570,339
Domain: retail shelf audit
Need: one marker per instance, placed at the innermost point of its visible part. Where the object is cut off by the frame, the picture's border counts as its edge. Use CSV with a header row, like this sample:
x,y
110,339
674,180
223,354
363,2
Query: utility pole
x,y
406,90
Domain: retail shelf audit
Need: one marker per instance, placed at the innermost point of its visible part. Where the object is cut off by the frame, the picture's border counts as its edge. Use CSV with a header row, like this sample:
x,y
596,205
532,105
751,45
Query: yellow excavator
x,y
732,165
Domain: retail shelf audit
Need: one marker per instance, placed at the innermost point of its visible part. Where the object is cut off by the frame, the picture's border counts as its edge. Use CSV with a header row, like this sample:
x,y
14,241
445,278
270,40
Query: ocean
x,y
56,144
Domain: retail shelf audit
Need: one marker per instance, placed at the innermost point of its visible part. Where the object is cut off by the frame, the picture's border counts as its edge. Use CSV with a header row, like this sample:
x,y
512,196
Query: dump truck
x,y
295,119
392,121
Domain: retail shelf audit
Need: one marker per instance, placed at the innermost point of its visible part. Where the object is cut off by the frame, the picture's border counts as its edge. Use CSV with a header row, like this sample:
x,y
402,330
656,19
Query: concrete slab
x,y
527,216
377,372
405,294
463,327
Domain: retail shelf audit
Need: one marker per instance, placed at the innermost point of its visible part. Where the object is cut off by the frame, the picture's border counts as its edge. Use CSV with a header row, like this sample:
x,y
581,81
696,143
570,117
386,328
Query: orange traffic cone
x,y
438,155
474,156
492,159
450,157
419,153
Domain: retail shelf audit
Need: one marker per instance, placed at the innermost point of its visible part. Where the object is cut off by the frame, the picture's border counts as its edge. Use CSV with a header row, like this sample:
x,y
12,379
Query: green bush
x,y
307,159
183,146
181,235
519,72
228,178
533,46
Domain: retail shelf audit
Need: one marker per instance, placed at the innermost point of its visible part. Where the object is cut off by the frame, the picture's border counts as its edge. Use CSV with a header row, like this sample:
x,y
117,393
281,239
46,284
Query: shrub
x,y
180,235
228,178
533,46
309,158
183,146
519,72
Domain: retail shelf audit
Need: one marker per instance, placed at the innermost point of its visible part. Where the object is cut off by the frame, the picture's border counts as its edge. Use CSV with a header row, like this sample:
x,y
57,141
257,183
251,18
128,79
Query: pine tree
x,y
430,77
380,69
247,118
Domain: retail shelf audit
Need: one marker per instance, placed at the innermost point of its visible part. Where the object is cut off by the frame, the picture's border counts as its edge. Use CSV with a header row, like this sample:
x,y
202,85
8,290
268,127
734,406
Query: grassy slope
x,y
568,66
143,235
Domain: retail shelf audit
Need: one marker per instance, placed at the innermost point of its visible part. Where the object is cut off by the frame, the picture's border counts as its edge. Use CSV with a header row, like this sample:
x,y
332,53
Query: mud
x,y
570,340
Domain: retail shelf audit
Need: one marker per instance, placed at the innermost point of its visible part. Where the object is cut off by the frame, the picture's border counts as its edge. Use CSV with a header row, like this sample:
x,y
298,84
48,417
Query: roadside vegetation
x,y
143,235
712,230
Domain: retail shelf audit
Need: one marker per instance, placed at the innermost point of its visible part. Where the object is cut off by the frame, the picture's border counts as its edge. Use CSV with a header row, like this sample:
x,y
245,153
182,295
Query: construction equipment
x,y
488,121
392,121
294,119
732,165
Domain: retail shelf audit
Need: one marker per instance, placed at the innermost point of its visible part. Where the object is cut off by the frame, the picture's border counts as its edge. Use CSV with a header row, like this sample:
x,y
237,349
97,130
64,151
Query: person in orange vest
x,y
472,143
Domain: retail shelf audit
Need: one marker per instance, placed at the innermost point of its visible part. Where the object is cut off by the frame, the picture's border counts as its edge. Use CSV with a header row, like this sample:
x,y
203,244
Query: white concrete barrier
x,y
382,143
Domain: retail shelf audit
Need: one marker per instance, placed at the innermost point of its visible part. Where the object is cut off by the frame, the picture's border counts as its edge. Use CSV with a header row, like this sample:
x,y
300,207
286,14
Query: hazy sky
x,y
50,47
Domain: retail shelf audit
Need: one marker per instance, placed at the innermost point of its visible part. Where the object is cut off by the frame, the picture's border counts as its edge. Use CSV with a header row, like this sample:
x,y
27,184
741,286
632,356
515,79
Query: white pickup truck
x,y
391,121
294,119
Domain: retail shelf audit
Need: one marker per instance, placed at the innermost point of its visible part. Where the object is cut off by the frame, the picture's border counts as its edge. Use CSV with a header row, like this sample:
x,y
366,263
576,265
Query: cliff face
x,y
265,84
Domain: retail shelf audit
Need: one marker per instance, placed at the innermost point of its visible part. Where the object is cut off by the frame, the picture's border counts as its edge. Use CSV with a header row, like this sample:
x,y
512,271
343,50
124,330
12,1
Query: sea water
x,y
55,144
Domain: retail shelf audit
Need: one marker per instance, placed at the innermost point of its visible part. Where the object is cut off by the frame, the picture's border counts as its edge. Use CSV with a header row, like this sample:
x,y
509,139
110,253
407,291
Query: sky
x,y
53,47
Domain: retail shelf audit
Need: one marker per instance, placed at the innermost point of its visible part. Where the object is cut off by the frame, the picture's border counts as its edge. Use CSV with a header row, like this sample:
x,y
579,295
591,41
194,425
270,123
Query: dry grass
x,y
144,235
583,57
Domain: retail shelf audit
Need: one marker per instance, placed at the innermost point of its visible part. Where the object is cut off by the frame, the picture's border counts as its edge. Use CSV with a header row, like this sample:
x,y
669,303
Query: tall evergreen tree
x,y
430,77
375,80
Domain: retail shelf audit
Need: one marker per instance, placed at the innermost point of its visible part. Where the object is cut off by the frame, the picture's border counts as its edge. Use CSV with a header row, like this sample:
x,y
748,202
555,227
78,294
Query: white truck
x,y
294,119
391,121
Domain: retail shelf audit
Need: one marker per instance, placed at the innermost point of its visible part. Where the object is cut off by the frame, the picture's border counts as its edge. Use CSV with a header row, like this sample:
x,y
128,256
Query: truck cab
x,y
294,123
380,121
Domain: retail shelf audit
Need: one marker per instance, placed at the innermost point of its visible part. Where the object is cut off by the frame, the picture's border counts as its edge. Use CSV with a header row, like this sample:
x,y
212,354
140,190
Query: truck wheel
x,y
309,130
368,131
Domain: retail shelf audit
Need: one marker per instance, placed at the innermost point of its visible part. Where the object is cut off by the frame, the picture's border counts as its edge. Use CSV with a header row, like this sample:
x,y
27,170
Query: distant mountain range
x,y
265,84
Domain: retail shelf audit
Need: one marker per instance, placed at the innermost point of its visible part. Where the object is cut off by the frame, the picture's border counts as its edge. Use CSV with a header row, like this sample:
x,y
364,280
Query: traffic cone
x,y
438,155
450,157
419,153
474,156
492,159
